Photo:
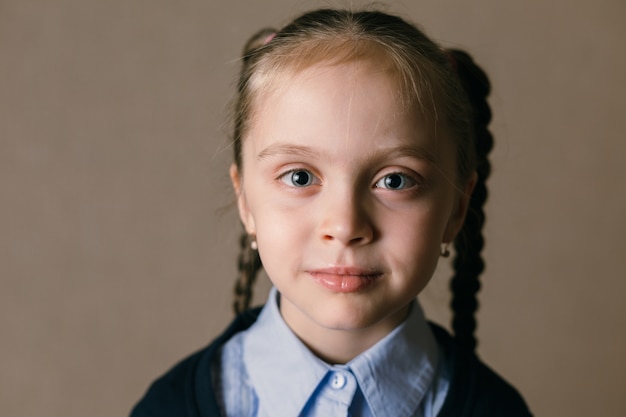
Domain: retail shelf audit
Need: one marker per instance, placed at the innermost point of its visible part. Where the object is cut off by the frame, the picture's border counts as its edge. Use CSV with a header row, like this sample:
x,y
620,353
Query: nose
x,y
346,219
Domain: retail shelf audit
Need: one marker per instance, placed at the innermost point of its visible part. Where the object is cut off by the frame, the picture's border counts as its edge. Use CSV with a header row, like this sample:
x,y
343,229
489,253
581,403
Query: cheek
x,y
420,225
282,248
414,255
415,238
281,236
420,242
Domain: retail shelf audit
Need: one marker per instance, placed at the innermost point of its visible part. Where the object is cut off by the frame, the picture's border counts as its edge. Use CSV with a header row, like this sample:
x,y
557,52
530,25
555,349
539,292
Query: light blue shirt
x,y
266,371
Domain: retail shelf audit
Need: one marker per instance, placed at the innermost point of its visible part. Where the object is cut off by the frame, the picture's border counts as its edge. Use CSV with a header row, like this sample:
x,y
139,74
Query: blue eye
x,y
298,178
395,181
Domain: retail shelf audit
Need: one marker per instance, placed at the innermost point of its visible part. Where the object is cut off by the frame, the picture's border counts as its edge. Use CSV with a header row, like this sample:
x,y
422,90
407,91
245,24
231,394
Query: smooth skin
x,y
350,195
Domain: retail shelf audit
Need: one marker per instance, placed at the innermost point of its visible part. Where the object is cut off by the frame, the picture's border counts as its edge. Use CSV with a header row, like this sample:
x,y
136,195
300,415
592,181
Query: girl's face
x,y
350,196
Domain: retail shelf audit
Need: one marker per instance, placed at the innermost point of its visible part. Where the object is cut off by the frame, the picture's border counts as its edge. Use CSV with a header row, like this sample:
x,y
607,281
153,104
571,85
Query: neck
x,y
338,346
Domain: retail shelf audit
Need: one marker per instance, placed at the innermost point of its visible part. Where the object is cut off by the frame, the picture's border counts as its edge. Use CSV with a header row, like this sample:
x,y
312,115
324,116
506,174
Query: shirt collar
x,y
397,371
282,370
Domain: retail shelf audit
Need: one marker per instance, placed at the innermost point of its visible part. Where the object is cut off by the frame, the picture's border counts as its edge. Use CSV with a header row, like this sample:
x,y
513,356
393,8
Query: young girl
x,y
360,155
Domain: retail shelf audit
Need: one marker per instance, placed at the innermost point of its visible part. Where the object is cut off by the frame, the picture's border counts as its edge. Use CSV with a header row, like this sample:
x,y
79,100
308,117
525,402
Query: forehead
x,y
342,92
348,107
272,80
333,81
356,83
411,72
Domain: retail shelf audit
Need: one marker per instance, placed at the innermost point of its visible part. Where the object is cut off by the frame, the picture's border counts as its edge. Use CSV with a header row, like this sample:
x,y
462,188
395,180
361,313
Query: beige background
x,y
117,245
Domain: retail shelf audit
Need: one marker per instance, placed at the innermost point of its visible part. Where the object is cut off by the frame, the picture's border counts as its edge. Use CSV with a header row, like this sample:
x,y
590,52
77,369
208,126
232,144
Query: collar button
x,y
338,380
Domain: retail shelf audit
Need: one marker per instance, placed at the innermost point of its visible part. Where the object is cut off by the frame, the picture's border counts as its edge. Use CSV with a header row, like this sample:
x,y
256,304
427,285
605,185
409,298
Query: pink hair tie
x,y
269,38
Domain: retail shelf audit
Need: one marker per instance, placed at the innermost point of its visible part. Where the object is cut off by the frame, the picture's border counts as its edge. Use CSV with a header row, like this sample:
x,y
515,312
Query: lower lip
x,y
344,283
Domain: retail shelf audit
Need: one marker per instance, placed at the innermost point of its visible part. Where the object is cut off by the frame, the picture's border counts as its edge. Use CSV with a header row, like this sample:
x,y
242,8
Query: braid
x,y
468,263
248,261
248,264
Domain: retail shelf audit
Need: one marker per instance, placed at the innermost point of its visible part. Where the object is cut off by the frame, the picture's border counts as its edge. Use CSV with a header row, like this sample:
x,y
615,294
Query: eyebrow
x,y
277,149
416,152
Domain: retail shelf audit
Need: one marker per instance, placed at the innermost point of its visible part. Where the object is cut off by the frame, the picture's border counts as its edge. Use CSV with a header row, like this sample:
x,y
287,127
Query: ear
x,y
457,217
242,205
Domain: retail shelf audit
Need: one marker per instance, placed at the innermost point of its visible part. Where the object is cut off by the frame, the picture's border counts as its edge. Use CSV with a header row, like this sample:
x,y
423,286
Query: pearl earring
x,y
445,252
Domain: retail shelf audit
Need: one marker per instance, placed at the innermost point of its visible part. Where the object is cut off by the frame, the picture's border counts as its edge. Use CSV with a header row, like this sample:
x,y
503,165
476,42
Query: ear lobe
x,y
242,205
457,218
